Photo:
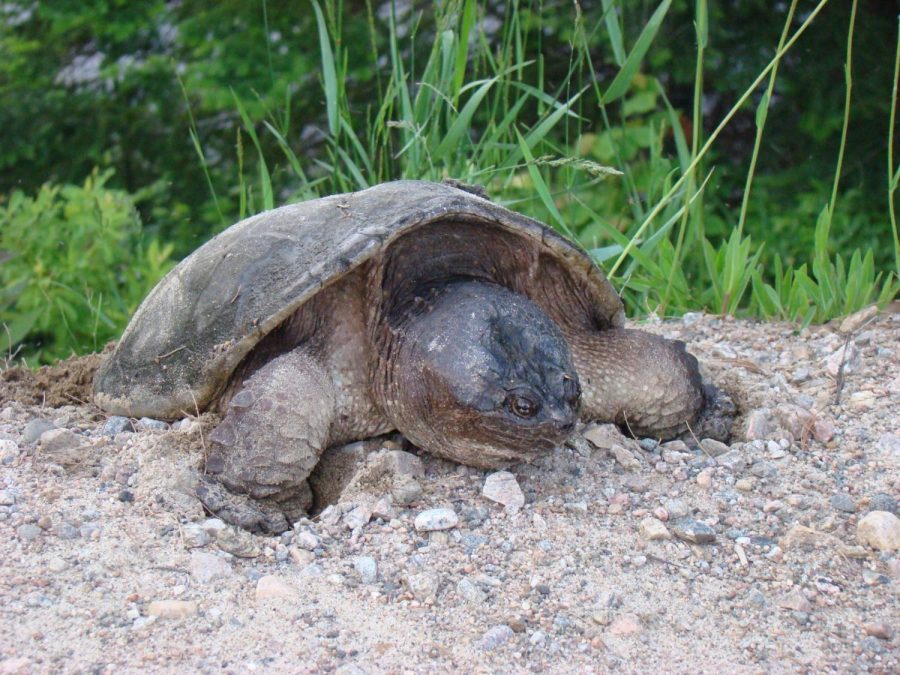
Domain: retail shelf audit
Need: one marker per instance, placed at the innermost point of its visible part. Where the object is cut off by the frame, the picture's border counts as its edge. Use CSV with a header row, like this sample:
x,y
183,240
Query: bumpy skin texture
x,y
414,306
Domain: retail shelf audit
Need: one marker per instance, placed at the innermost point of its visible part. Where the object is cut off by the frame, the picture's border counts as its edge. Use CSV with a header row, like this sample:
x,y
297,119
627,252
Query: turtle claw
x,y
240,510
716,418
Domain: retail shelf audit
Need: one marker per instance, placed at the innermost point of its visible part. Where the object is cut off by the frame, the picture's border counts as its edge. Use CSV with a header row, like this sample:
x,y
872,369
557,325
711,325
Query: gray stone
x,y
35,428
424,585
405,490
625,458
401,463
306,541
842,502
763,469
358,517
693,531
206,567
28,532
676,508
759,425
65,530
194,536
149,424
496,636
881,501
469,592
366,568
733,460
713,448
116,425
436,519
7,498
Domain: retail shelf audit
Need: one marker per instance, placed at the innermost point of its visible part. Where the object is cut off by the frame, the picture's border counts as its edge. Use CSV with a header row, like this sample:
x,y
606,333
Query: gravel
x,y
780,555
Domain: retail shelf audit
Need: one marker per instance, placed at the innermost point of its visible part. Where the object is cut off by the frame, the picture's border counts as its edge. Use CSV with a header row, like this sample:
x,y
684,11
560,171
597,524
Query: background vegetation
x,y
736,157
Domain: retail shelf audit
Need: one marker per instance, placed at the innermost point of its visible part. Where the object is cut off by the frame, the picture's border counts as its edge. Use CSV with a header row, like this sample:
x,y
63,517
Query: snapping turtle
x,y
480,334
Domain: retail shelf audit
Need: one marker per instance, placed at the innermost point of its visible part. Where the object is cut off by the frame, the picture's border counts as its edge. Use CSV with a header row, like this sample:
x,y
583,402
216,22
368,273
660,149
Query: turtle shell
x,y
195,327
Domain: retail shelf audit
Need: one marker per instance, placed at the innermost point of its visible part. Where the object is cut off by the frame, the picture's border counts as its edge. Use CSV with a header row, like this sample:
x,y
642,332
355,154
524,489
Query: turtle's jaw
x,y
482,376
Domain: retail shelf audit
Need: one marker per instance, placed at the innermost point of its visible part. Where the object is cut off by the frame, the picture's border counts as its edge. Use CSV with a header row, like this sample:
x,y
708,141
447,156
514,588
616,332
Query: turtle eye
x,y
522,405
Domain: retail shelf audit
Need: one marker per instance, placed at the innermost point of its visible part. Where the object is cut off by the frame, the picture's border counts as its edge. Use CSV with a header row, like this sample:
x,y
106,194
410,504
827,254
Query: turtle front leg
x,y
647,384
274,430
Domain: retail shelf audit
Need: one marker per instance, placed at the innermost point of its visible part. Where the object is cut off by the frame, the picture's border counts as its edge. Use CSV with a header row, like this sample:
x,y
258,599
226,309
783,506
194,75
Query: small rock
x,y
537,638
880,501
470,592
117,425
149,424
744,484
366,568
676,508
35,428
764,469
66,530
713,448
693,531
879,629
604,436
383,508
822,430
842,502
237,542
57,565
194,536
405,490
797,602
705,477
301,557
28,532
7,498
759,425
496,636
845,357
502,487
424,585
273,587
855,321
172,609
733,460
436,519
654,530
306,540
63,447
16,665
358,517
624,457
206,567
213,526
879,529
627,624
401,463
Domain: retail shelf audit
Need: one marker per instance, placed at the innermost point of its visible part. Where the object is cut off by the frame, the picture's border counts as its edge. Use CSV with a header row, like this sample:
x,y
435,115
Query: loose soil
x,y
108,562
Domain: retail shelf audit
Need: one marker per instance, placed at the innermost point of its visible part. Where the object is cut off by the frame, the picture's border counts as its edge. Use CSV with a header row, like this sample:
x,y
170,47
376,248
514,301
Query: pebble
x,y
366,568
624,457
842,502
880,501
469,592
423,585
733,460
301,557
206,567
117,425
713,448
676,508
358,517
149,424
66,530
654,529
406,490
705,477
879,629
436,519
496,636
7,498
764,469
273,587
879,529
28,532
383,508
759,425
627,624
744,484
693,531
306,540
237,542
63,447
502,487
33,430
172,609
57,565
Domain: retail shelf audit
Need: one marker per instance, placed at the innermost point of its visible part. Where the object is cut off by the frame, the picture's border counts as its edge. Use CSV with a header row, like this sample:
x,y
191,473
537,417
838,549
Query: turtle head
x,y
484,377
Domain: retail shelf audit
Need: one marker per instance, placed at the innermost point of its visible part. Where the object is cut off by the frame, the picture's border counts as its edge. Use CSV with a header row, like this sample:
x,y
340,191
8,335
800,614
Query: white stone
x,y
172,609
879,529
273,587
653,529
436,519
206,567
502,487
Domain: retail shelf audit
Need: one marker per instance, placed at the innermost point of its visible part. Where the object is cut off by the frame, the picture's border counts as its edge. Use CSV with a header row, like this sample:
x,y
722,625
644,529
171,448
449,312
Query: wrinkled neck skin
x,y
452,366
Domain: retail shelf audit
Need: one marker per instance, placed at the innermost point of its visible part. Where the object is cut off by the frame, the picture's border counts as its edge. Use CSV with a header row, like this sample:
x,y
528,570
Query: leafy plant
x,y
75,265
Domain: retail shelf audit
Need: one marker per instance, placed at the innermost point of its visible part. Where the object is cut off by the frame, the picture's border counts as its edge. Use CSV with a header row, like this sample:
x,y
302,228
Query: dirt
x,y
109,563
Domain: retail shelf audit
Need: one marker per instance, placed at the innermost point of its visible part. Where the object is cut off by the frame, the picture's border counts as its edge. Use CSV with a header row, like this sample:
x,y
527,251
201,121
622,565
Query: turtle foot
x,y
255,515
716,417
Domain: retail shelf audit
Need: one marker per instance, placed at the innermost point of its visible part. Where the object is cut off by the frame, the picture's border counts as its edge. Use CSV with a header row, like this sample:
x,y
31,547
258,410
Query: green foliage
x,y
74,268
